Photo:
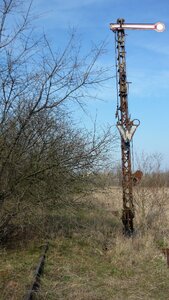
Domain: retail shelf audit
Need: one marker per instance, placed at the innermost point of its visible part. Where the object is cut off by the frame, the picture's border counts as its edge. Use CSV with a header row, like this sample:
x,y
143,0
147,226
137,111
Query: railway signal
x,y
160,27
125,125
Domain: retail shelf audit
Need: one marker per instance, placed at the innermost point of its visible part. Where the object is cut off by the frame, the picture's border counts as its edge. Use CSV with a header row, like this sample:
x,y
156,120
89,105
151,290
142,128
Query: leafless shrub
x,y
152,196
42,156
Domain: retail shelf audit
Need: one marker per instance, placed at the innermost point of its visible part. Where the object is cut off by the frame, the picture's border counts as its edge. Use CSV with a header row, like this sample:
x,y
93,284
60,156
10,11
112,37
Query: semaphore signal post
x,y
126,126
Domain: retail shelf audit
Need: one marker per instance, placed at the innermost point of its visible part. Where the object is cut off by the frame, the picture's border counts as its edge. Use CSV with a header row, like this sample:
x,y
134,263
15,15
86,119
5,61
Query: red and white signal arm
x,y
159,27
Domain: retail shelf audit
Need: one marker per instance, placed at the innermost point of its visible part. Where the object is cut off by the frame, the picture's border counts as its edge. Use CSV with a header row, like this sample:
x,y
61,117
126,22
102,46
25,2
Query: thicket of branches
x,y
42,156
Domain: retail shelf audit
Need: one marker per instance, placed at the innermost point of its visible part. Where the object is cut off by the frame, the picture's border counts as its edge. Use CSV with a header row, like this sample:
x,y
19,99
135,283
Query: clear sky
x,y
147,60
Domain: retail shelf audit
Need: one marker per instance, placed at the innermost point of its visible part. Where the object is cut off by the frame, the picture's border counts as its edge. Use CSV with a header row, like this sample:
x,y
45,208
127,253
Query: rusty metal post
x,y
126,128
166,253
167,250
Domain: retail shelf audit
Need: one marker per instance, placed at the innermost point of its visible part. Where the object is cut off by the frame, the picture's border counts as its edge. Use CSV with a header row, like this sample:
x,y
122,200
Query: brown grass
x,y
89,258
98,262
16,271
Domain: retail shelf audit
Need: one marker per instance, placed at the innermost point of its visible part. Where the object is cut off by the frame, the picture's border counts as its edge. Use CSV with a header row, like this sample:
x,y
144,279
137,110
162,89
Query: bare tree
x,y
41,154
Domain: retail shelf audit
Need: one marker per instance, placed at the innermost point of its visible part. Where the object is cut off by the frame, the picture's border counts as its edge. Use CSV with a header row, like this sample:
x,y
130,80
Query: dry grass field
x,y
16,271
89,258
95,261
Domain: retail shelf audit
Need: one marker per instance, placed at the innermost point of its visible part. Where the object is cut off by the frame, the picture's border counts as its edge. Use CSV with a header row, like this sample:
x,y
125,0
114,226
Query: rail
x,y
31,293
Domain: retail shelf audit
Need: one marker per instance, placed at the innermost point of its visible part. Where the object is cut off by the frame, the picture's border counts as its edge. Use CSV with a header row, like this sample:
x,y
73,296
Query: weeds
x,y
89,258
98,262
16,271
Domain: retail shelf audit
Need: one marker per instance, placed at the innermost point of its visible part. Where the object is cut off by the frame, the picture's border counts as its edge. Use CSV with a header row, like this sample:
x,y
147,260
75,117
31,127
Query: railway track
x,y
32,291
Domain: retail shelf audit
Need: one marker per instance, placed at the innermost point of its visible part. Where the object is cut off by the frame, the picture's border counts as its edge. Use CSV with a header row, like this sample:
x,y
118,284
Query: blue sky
x,y
147,61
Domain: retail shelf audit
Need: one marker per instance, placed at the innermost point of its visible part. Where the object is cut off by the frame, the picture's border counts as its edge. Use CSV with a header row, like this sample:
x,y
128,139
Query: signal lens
x,y
160,27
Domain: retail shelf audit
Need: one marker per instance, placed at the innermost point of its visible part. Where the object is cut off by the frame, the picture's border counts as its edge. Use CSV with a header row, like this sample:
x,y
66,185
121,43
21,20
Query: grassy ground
x,y
89,258
96,262
77,269
16,271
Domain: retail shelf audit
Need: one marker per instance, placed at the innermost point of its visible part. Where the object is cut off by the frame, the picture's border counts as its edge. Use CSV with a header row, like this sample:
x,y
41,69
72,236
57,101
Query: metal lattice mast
x,y
126,127
125,124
